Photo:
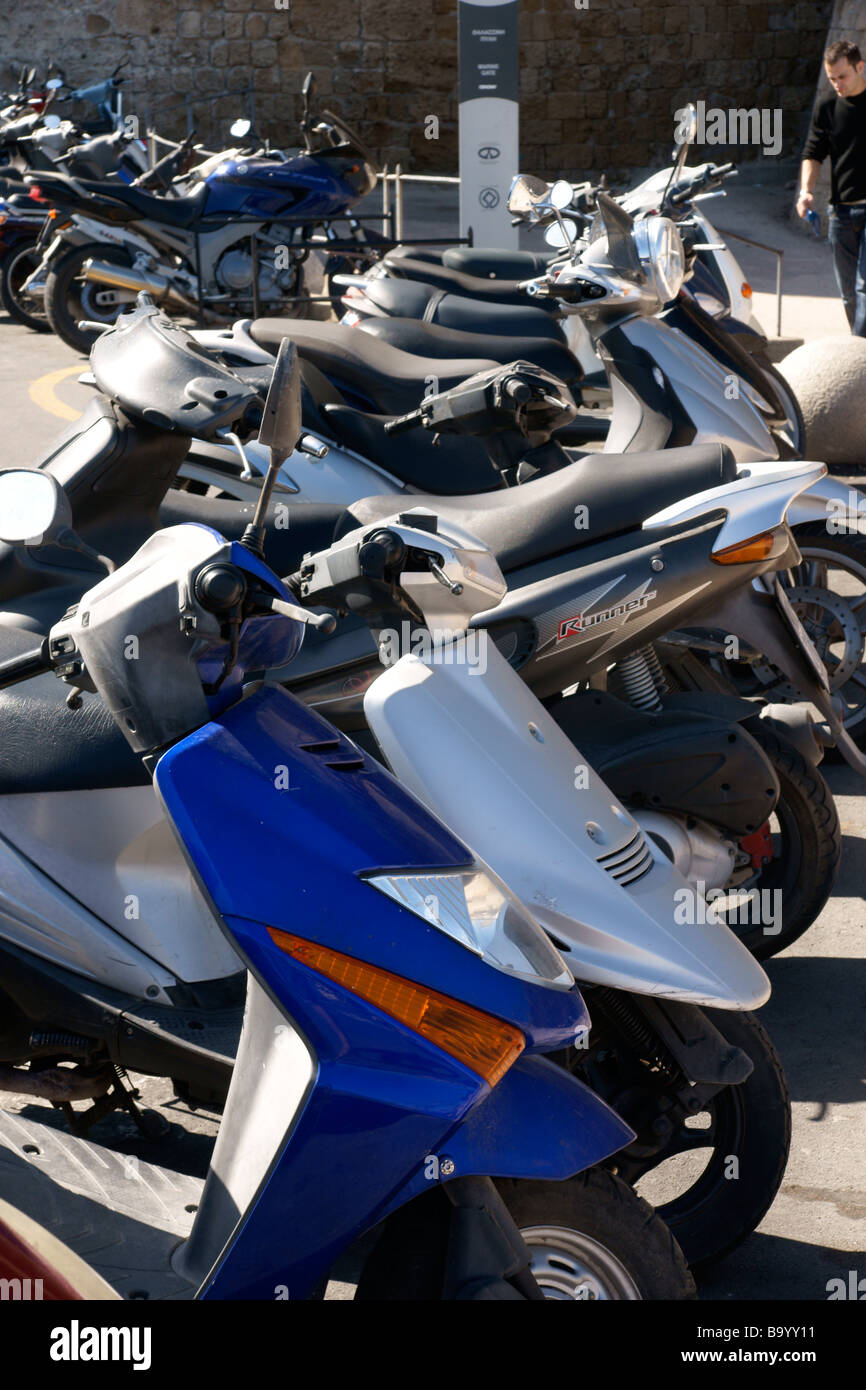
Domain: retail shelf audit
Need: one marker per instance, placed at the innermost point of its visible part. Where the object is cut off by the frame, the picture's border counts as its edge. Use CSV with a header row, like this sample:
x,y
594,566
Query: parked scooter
x,y
709,967
456,1004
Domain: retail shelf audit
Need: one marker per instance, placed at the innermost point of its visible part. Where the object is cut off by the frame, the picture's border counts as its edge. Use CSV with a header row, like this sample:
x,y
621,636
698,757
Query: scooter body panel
x,y
529,805
393,1096
702,388
110,858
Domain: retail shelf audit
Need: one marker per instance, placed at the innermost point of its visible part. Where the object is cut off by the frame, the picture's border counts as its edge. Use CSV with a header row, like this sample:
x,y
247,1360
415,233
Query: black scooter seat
x,y
45,746
413,299
488,262
456,282
362,366
523,525
432,340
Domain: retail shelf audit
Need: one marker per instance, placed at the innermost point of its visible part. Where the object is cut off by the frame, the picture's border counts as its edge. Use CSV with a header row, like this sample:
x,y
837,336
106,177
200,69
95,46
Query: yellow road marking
x,y
42,393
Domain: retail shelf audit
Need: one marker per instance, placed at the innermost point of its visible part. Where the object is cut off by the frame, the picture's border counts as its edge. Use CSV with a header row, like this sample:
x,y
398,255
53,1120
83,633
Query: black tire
x,y
16,265
66,299
595,1206
791,405
721,1205
818,547
807,849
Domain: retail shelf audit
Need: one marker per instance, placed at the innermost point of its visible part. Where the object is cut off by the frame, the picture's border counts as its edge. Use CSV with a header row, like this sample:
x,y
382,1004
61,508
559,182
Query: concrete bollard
x,y
828,376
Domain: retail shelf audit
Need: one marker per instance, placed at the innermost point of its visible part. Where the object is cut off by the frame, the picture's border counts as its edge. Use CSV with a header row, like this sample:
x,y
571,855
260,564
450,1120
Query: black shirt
x,y
839,130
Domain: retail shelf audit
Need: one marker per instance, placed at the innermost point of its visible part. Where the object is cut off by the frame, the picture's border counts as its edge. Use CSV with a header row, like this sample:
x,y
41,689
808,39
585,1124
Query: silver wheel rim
x,y
813,601
570,1266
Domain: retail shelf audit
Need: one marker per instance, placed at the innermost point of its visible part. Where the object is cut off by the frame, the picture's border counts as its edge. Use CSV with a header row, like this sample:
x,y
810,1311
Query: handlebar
x,y
26,666
402,423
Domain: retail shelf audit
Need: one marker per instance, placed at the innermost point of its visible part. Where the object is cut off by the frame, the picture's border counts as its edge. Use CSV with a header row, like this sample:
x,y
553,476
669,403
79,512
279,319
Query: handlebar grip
x,y
403,422
25,667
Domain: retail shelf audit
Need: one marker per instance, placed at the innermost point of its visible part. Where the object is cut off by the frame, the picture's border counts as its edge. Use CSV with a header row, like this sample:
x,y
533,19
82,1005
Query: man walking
x,y
839,130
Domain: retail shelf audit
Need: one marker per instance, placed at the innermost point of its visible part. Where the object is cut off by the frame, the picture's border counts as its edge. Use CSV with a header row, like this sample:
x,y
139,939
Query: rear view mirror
x,y
281,422
308,90
240,127
561,194
526,193
52,122
33,507
54,84
562,234
279,432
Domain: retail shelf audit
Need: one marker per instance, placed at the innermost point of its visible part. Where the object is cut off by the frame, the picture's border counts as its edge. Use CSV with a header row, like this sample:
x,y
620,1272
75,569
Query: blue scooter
x,y
391,1061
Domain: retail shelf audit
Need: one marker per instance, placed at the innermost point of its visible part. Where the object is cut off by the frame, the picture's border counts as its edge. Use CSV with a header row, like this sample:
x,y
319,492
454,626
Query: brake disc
x,y
843,625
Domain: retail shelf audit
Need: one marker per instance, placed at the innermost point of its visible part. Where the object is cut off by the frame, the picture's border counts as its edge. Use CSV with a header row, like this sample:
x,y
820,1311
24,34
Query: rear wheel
x,y
70,298
16,267
794,858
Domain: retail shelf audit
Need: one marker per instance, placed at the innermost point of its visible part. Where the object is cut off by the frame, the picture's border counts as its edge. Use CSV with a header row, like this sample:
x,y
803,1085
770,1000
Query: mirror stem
x,y
254,534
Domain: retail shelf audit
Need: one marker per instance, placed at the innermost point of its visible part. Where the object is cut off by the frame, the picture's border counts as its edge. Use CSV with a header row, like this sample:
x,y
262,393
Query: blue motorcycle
x,y
391,1063
236,242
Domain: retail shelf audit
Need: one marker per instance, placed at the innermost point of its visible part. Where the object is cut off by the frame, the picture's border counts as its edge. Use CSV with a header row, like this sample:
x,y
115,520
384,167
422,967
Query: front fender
x,y
538,1122
827,500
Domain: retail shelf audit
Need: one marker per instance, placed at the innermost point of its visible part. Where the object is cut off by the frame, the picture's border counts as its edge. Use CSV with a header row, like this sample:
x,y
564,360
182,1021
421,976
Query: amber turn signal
x,y
746,552
746,290
481,1042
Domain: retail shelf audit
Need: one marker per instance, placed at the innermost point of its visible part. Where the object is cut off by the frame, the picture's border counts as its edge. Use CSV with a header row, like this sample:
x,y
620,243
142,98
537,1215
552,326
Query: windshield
x,y
349,136
616,224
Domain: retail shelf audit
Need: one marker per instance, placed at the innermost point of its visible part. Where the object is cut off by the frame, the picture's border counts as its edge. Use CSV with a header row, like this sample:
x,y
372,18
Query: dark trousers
x,y
848,239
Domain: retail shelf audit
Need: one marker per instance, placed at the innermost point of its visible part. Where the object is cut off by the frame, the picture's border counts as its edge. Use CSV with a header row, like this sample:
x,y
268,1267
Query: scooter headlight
x,y
478,910
660,248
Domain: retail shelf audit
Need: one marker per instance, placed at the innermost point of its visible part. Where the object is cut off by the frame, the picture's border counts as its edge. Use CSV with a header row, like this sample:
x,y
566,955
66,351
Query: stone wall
x,y
599,84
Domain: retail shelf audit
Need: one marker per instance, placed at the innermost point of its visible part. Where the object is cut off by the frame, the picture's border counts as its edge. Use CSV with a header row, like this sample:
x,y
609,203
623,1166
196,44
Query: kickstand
x,y
121,1095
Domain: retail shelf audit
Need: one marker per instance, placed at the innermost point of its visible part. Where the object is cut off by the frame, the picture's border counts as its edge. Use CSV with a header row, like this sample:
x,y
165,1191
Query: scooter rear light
x,y
745,552
746,290
36,193
481,1042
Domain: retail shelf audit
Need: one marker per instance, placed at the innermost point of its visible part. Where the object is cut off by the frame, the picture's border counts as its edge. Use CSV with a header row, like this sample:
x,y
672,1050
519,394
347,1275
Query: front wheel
x,y
713,1168
593,1239
16,266
70,298
791,439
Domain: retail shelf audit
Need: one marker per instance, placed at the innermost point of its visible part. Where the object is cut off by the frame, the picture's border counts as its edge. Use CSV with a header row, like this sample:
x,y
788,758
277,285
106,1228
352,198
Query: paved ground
x,y
815,1229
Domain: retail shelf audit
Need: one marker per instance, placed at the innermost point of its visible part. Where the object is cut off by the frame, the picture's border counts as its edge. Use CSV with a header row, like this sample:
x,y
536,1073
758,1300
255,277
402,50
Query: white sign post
x,y
489,109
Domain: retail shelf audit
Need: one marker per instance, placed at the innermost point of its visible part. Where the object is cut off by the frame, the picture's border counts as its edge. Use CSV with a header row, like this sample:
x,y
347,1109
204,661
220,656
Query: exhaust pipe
x,y
122,277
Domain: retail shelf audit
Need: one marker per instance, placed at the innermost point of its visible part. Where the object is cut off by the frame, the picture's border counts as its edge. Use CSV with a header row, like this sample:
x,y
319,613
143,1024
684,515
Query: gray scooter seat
x,y
536,521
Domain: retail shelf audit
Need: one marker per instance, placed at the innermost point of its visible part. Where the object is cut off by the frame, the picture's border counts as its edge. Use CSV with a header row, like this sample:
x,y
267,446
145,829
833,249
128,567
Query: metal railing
x,y
774,251
395,216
